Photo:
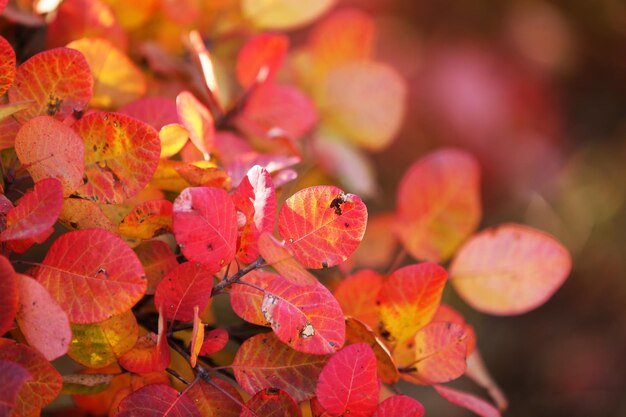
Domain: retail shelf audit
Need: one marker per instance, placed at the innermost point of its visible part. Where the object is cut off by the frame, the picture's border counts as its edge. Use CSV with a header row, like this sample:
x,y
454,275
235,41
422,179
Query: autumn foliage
x,y
154,160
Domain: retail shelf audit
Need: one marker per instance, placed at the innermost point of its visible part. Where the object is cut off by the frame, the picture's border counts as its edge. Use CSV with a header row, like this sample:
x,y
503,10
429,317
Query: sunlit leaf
x,y
77,213
49,148
246,300
205,225
510,269
187,285
9,294
173,138
7,110
46,381
399,405
214,341
157,259
263,362
358,332
167,177
197,337
279,257
13,376
205,177
466,400
445,313
216,399
435,354
357,295
121,155
264,52
378,246
348,384
283,14
156,111
7,65
198,121
438,204
157,400
31,220
148,219
368,116
322,225
99,344
92,274
271,402
57,80
409,298
116,79
133,14
307,318
42,322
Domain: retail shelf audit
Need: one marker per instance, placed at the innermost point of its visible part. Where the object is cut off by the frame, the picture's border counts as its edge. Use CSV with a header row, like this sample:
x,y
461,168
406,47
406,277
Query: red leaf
x,y
263,361
184,287
510,269
246,300
198,121
260,58
399,405
7,64
357,295
157,259
214,341
121,155
42,322
92,274
46,381
278,109
8,295
205,225
31,220
438,204
281,259
49,148
436,354
215,399
155,111
307,318
410,297
157,400
13,376
466,400
348,384
322,225
151,353
58,80
271,402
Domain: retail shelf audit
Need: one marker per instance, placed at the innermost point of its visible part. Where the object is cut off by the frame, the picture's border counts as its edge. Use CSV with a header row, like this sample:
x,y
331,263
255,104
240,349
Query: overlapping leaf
x,y
278,256
357,295
466,400
92,274
510,269
283,14
77,213
173,139
445,313
157,259
263,362
43,323
322,225
46,381
49,148
409,298
57,80
9,295
205,225
246,300
99,344
198,121
155,111
307,318
214,341
399,405
117,80
148,219
157,400
121,155
271,402
436,354
197,337
7,65
438,204
216,398
187,285
348,384
266,52
12,377
151,353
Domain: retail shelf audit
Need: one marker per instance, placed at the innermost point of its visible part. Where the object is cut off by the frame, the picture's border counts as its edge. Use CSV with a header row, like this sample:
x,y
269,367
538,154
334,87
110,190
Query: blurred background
x,y
537,91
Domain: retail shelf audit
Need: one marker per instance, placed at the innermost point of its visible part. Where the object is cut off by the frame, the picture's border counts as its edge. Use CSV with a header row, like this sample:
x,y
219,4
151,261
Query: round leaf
x,y
266,52
322,225
184,287
283,14
357,295
216,399
510,269
399,405
271,402
156,400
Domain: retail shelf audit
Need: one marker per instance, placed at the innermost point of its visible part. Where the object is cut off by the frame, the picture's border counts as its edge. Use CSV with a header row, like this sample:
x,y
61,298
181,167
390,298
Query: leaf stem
x,y
176,375
226,282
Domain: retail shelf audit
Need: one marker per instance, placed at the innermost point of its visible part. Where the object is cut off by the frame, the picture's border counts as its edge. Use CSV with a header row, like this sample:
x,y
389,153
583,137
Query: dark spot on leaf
x,y
54,105
324,264
346,225
74,225
95,148
210,246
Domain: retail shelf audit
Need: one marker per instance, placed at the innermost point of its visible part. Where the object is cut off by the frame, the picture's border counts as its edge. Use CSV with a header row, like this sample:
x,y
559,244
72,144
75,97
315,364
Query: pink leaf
x,y
157,400
399,405
466,400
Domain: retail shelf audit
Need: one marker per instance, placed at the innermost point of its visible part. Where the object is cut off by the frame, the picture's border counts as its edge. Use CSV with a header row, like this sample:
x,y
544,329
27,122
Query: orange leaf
x,y
203,177
278,256
7,65
46,381
186,286
117,80
468,401
216,399
197,337
43,323
156,400
409,298
49,148
151,353
157,259
263,361
357,295
57,80
322,225
435,354
246,300
283,14
121,155
378,246
271,402
438,204
148,219
198,121
8,295
92,274
84,214
510,269
260,58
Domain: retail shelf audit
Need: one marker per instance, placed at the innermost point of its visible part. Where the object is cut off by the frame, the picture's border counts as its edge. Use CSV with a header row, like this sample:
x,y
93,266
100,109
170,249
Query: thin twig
x,y
235,277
